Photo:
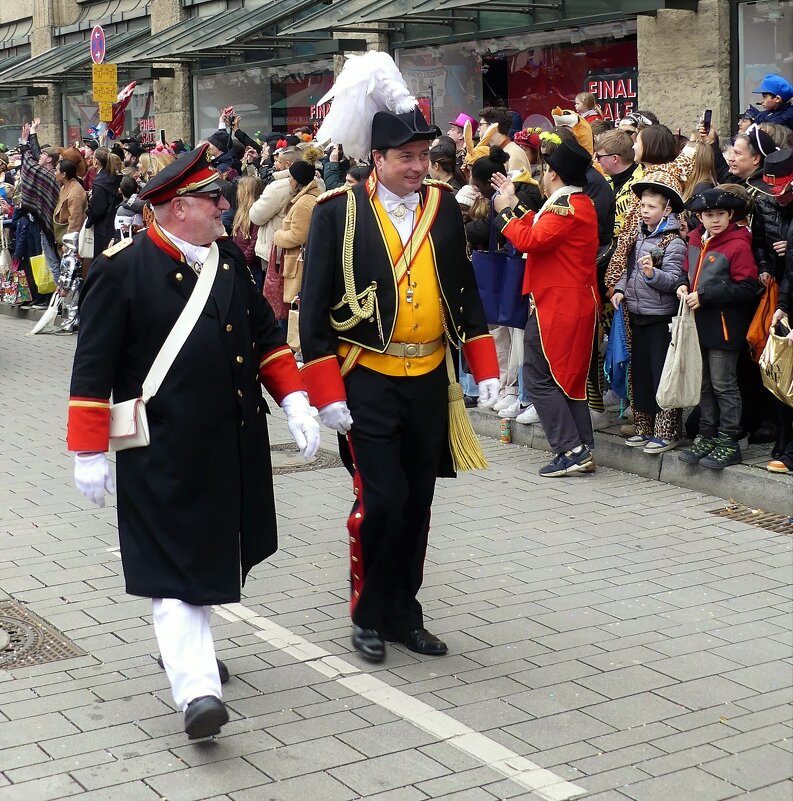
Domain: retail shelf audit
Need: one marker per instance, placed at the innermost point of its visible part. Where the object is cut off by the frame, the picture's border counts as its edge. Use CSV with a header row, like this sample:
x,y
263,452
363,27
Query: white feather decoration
x,y
368,83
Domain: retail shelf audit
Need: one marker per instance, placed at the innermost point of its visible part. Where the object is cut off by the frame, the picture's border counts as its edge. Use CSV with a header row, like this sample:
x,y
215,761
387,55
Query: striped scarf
x,y
39,187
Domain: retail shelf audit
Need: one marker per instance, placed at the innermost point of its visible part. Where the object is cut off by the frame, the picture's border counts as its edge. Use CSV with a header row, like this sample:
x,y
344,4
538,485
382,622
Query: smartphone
x,y
341,151
162,136
706,118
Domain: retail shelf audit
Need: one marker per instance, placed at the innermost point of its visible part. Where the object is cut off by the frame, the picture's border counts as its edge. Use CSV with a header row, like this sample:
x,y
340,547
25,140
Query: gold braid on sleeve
x,y
362,305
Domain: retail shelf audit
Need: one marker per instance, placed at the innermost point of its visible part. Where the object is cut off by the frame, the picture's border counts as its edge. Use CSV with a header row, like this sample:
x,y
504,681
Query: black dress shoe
x,y
368,643
422,642
470,401
204,716
222,669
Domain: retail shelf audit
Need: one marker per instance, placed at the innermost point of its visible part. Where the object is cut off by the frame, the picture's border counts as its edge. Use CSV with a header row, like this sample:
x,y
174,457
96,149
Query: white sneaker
x,y
600,420
528,416
612,401
511,411
503,402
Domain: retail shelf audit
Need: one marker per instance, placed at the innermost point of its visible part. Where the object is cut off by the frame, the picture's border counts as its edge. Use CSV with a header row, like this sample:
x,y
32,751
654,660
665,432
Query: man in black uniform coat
x,y
373,331
195,508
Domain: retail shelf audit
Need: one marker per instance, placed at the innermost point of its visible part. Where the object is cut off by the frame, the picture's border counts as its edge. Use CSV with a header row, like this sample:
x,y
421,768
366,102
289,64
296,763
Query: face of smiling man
x,y
402,170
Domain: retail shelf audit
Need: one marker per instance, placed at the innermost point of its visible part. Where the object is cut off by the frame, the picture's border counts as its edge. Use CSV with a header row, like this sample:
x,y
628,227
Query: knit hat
x,y
302,172
221,139
467,196
582,130
662,184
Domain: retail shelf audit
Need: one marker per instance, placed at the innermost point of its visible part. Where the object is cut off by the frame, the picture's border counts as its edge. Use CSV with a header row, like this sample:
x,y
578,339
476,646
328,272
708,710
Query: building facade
x,y
274,59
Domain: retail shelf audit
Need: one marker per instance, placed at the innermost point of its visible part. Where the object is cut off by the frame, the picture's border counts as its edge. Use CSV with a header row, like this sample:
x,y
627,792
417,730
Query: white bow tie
x,y
400,206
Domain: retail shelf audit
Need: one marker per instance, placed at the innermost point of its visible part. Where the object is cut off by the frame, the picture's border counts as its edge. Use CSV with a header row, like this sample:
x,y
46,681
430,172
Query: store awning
x,y
64,61
231,33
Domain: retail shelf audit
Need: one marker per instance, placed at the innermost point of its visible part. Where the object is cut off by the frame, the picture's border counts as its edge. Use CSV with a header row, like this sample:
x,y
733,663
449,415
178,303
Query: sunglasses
x,y
214,196
600,156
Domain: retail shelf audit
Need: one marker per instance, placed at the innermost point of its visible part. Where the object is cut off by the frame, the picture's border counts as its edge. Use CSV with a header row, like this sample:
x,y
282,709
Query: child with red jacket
x,y
720,284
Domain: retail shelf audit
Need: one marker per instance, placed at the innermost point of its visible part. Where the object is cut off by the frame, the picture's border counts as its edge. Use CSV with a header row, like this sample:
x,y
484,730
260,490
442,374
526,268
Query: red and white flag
x,y
116,125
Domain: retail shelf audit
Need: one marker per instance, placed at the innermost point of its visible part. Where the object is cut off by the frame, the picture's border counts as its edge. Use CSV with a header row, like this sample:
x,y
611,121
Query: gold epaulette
x,y
113,250
441,184
563,207
339,190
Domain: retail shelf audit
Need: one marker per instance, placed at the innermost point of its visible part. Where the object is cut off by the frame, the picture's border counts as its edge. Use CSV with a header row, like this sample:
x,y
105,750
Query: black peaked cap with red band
x,y
189,174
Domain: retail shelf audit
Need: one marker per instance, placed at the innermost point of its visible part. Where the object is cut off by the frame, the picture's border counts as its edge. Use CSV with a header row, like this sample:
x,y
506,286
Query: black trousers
x,y
398,434
566,422
648,354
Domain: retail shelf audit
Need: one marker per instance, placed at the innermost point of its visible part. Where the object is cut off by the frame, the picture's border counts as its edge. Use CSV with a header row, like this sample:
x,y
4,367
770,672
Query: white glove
x,y
93,476
337,416
488,392
302,425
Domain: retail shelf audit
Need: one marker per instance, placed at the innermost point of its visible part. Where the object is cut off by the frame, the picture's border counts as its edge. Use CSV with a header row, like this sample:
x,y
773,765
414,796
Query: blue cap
x,y
751,113
775,85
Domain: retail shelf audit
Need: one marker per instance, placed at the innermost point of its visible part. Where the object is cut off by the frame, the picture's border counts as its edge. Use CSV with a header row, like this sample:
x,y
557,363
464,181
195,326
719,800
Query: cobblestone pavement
x,y
610,639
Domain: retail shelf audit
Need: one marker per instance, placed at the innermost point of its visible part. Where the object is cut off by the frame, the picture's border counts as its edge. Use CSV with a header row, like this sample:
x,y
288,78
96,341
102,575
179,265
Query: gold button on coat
x,y
240,360
239,392
229,327
178,276
226,267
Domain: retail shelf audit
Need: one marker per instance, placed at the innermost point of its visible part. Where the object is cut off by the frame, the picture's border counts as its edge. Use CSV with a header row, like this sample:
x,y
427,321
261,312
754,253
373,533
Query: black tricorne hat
x,y
716,198
777,177
189,174
396,130
570,162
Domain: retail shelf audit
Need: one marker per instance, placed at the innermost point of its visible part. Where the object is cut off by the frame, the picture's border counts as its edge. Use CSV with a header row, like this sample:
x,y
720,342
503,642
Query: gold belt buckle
x,y
411,351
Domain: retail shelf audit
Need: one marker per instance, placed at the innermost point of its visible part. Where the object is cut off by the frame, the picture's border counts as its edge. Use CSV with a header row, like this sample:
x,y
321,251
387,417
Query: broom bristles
x,y
466,450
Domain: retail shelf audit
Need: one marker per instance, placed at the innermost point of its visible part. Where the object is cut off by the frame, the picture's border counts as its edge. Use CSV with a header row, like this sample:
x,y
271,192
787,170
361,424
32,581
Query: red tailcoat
x,y
560,249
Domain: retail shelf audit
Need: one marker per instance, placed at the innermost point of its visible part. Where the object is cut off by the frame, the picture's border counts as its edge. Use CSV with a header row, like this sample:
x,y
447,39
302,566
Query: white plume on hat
x,y
368,83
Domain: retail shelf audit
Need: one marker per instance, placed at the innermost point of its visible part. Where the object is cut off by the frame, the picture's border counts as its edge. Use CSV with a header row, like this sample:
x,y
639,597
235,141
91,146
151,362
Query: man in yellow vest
x,y
388,291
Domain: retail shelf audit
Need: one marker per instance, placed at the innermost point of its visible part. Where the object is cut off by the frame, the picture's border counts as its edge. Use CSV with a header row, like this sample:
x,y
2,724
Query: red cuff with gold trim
x,y
88,426
480,353
323,381
278,372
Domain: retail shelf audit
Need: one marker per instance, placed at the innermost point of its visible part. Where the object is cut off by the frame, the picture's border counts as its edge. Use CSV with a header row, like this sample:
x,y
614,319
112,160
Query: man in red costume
x,y
560,242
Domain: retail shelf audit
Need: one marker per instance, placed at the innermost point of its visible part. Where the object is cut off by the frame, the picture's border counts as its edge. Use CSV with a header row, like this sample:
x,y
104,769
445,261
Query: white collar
x,y
385,194
193,253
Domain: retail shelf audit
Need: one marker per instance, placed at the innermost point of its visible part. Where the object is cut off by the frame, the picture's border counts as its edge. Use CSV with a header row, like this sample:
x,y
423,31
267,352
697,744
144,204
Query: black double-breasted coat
x,y
195,508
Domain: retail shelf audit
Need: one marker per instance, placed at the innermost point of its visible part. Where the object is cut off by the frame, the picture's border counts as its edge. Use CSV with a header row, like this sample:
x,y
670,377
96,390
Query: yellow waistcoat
x,y
416,322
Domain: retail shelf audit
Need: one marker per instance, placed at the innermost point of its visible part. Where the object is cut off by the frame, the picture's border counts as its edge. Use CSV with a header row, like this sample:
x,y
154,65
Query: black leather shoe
x,y
422,642
204,716
368,643
222,669
470,401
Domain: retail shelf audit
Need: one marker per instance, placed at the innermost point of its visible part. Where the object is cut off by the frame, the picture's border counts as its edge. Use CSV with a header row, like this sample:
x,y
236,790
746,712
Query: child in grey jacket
x,y
647,288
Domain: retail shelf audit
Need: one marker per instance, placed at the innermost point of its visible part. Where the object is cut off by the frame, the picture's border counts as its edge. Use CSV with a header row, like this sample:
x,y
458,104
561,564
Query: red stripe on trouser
x,y
354,523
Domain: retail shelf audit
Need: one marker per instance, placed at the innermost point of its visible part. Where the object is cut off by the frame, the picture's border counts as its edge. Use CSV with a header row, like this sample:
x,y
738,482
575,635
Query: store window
x,y
295,99
531,80
446,80
765,44
247,90
80,113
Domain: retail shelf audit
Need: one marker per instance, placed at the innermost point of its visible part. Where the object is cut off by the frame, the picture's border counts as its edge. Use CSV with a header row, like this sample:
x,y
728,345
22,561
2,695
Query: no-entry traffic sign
x,y
97,44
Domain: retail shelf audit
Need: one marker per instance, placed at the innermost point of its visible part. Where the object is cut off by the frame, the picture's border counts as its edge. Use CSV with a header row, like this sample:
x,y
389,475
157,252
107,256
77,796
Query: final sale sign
x,y
616,91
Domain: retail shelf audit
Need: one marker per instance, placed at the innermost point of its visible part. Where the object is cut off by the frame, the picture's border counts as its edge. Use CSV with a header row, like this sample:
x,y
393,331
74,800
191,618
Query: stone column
x,y
376,40
47,107
172,109
684,65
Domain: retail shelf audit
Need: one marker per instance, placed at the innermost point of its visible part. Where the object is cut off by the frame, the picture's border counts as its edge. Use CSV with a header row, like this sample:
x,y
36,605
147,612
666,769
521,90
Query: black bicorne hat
x,y
395,130
570,162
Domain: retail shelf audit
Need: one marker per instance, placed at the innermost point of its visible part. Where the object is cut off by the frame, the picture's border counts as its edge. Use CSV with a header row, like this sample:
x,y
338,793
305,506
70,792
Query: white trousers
x,y
509,350
187,650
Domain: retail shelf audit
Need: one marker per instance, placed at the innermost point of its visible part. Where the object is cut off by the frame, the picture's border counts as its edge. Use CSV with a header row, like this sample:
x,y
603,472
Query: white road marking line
x,y
546,784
